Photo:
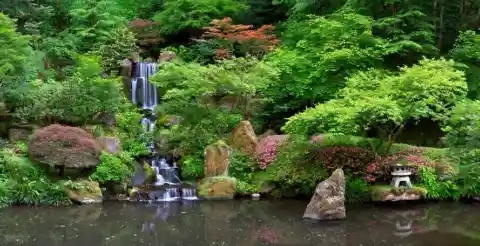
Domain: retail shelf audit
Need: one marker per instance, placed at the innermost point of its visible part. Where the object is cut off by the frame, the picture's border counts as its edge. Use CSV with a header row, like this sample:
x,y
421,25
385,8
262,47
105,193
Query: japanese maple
x,y
253,41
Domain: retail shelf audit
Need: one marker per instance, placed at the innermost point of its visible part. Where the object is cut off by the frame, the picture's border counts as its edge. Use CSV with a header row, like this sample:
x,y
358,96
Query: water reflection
x,y
241,223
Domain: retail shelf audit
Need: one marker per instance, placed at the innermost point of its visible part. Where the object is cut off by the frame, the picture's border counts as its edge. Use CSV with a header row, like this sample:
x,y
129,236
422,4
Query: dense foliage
x,y
364,73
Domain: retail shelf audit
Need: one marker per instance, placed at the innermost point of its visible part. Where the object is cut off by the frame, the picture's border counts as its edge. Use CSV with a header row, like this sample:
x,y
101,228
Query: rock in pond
x,y
328,201
83,191
219,187
392,194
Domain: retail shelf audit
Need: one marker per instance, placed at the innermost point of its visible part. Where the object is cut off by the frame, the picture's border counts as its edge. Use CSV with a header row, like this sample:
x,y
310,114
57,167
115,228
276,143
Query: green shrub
x,y
292,173
463,140
113,168
245,188
357,190
438,189
241,166
130,132
192,167
22,182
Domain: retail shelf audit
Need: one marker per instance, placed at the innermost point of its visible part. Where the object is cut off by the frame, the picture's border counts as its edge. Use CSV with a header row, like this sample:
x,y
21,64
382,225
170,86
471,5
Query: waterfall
x,y
145,95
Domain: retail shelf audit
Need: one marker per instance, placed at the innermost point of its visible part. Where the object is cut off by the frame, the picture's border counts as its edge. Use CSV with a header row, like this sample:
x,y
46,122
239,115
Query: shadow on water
x,y
203,223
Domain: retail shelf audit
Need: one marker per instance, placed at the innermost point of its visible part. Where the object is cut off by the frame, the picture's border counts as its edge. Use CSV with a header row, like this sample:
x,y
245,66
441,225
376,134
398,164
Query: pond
x,y
244,222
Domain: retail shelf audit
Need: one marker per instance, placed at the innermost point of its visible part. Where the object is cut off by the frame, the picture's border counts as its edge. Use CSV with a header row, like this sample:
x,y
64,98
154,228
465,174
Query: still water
x,y
248,223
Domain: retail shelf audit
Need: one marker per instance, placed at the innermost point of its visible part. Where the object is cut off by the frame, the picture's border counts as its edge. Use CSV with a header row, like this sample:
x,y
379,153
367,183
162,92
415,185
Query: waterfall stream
x,y
145,95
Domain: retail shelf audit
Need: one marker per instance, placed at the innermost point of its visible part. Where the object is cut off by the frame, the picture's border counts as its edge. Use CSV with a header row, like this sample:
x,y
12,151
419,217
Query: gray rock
x,y
110,144
328,202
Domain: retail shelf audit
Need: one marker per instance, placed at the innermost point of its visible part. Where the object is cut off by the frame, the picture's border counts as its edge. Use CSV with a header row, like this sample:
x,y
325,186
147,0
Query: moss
x,y
149,174
218,187
83,191
380,192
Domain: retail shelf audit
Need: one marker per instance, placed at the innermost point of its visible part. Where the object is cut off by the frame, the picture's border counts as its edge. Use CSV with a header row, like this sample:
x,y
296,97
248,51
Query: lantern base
x,y
397,180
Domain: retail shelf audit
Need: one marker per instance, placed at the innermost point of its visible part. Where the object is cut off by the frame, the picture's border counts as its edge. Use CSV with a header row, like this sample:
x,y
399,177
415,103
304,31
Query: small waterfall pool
x,y
145,95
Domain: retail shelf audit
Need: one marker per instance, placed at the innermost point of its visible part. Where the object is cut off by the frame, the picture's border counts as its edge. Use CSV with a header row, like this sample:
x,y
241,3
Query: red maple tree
x,y
254,41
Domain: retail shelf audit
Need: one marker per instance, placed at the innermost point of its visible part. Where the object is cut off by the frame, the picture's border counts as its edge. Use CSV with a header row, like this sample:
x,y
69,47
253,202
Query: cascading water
x,y
145,95
143,92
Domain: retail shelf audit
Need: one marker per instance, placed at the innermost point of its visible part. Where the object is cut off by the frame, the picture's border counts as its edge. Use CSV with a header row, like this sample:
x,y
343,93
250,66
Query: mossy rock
x,y
150,177
217,159
384,193
83,191
218,187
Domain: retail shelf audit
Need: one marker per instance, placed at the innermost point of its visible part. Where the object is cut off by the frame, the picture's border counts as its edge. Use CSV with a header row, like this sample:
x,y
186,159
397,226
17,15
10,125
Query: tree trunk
x,y
61,171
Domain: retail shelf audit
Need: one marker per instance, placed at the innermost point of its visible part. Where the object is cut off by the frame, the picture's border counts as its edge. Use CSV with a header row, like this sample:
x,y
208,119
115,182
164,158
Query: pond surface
x,y
208,223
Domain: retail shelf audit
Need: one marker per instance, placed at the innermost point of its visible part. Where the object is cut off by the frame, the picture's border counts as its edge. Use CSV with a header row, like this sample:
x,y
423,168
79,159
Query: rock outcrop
x,y
84,192
20,132
244,139
64,146
220,187
217,159
393,194
268,132
110,144
328,201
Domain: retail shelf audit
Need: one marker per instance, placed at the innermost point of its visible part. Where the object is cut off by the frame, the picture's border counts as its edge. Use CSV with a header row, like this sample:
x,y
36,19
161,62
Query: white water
x,y
166,174
189,194
147,95
170,194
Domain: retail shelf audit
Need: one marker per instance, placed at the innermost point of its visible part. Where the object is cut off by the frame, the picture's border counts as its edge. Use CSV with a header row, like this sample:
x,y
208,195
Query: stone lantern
x,y
403,228
401,173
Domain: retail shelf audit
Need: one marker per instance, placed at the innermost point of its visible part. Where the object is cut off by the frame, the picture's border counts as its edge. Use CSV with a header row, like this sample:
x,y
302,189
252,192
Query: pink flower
x,y
267,149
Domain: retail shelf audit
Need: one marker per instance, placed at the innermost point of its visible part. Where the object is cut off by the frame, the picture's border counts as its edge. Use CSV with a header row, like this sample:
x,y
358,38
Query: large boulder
x,y
110,144
244,139
65,146
83,191
328,201
220,187
217,159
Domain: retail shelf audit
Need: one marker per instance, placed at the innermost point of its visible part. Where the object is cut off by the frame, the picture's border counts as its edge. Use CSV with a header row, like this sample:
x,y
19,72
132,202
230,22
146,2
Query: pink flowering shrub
x,y
353,160
381,168
267,149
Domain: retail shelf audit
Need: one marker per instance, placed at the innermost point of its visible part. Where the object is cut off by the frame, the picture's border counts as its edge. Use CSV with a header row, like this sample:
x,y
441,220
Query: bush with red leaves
x,y
58,145
267,149
381,168
352,160
256,41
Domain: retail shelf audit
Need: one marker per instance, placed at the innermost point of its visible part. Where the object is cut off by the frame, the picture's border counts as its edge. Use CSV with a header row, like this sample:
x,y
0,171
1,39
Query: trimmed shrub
x,y
292,173
352,160
58,145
